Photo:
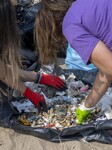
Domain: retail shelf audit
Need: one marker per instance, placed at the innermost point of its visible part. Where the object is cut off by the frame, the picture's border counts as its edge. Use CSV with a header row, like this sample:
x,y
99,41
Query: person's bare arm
x,y
9,80
36,98
102,58
27,76
99,88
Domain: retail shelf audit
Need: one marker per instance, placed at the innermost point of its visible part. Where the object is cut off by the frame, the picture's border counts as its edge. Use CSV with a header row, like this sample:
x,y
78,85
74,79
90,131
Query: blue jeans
x,y
74,61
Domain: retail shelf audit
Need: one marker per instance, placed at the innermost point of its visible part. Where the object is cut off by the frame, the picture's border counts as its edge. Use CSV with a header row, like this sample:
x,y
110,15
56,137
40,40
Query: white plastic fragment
x,y
108,114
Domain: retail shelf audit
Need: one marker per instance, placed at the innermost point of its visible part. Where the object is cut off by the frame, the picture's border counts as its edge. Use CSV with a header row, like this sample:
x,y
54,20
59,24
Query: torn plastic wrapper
x,y
100,131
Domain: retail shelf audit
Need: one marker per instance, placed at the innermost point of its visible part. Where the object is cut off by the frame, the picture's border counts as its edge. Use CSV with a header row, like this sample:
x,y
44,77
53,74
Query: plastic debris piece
x,y
84,89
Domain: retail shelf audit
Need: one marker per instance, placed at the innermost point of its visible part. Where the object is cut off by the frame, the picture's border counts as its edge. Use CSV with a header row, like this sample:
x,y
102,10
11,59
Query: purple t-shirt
x,y
85,23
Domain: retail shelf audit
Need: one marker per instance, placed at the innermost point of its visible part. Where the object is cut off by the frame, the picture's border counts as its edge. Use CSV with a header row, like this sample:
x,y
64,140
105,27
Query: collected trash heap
x,y
62,105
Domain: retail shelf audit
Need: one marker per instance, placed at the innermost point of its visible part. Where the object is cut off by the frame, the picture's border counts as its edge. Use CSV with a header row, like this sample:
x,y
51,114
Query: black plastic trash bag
x,y
24,2
26,14
100,131
30,61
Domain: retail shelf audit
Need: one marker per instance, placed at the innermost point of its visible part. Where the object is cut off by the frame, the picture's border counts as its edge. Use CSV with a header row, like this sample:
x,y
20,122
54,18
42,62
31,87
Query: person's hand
x,y
37,99
83,114
53,81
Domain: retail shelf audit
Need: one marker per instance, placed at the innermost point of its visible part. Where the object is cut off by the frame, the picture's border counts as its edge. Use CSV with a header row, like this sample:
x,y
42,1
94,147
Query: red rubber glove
x,y
53,81
37,99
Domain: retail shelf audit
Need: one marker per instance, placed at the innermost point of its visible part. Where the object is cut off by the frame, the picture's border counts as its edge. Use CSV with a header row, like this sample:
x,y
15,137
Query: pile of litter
x,y
61,105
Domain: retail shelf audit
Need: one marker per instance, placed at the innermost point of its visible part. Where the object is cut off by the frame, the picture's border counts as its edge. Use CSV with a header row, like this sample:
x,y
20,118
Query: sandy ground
x,y
10,140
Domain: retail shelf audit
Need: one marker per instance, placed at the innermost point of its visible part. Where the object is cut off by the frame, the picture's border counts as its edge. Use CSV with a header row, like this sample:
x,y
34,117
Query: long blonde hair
x,y
9,39
48,29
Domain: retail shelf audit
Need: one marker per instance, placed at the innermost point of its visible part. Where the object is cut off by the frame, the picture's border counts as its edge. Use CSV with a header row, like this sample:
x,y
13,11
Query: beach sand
x,y
10,140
